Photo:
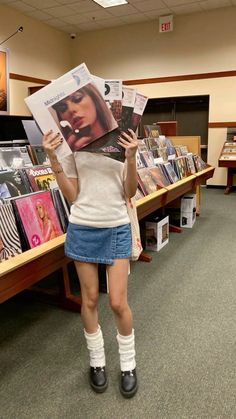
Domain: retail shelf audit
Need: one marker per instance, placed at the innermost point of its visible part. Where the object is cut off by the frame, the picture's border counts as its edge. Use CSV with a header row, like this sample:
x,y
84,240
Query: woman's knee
x,y
118,305
90,300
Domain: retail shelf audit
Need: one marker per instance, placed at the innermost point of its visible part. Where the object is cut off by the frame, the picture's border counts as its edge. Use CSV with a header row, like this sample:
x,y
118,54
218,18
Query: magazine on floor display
x,y
12,184
10,244
73,106
37,218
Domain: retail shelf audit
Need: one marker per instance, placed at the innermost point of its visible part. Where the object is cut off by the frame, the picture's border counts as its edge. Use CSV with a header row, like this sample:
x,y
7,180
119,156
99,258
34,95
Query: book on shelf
x,y
158,176
37,218
12,183
170,172
152,130
10,244
146,182
38,177
38,155
147,158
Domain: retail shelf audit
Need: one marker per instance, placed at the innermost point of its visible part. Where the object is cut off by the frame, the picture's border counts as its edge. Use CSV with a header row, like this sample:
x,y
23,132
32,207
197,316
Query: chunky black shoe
x,y
128,383
98,379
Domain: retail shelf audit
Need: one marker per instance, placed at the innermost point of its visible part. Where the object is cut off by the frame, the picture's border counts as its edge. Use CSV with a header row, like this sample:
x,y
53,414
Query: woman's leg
x,y
88,277
118,281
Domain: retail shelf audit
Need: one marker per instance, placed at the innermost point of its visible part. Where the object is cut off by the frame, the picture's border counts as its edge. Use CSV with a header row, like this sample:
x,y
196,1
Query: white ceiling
x,y
74,16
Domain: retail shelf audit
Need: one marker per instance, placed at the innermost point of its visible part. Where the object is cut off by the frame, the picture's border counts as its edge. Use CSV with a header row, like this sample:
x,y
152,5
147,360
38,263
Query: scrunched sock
x,y
95,345
126,346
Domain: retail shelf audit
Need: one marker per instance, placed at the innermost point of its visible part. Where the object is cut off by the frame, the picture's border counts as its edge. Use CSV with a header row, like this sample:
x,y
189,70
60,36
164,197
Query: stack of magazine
x,y
89,112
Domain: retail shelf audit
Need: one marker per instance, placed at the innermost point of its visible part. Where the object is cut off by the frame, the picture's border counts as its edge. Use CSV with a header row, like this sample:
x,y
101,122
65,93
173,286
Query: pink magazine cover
x,y
38,217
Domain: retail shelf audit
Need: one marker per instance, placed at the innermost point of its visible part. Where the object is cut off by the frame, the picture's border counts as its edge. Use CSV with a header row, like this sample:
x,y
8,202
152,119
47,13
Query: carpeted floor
x,y
184,306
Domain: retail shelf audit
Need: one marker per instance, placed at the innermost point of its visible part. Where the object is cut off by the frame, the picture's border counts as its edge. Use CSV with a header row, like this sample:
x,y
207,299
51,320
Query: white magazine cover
x,y
113,97
73,106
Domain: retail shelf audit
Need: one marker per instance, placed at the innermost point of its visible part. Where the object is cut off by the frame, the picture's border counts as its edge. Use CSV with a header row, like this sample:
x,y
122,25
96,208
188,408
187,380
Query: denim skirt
x,y
98,245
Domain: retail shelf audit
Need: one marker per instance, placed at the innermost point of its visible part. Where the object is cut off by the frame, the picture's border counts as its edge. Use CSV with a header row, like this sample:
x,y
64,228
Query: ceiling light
x,y
110,3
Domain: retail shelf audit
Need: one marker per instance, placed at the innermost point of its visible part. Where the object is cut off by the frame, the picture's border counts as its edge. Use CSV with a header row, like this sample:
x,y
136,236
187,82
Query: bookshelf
x,y
25,270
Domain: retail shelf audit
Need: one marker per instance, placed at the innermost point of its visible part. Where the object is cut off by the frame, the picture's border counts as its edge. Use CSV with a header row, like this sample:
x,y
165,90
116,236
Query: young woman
x,y
83,117
99,232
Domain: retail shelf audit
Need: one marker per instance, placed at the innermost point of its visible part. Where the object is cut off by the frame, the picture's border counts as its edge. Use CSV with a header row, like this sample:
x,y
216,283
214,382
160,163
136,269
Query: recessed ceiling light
x,y
110,3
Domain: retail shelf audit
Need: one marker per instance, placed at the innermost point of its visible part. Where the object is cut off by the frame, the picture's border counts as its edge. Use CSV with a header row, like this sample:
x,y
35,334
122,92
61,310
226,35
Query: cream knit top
x,y
101,200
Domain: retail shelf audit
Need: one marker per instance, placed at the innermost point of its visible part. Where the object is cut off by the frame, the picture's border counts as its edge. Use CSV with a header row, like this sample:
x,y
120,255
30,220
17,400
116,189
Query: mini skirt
x,y
98,245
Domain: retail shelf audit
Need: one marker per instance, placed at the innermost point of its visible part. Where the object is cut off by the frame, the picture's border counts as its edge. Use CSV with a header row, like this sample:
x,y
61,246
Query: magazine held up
x,y
88,111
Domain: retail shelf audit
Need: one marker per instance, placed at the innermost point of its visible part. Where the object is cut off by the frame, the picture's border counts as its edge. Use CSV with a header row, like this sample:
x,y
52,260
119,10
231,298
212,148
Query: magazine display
x,y
139,106
9,237
37,218
128,102
73,106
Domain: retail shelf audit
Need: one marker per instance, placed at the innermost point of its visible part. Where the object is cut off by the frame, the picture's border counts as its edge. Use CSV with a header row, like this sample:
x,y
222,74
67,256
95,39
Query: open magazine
x,y
88,111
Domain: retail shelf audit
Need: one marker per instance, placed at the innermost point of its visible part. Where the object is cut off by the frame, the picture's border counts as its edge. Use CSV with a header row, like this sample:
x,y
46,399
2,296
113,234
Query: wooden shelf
x,y
204,174
149,203
180,187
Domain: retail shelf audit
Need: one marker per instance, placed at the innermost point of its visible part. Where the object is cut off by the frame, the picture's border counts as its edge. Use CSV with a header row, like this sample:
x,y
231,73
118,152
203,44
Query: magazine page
x,y
128,102
38,217
113,98
73,106
139,106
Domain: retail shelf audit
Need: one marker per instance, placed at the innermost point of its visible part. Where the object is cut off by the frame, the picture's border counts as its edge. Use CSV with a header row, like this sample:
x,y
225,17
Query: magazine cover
x,y
113,98
73,106
38,217
9,237
39,177
12,184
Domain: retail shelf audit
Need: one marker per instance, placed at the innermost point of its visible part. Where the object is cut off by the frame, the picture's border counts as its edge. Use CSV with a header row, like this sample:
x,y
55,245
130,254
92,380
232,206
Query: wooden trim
x,y
167,79
20,77
221,124
182,77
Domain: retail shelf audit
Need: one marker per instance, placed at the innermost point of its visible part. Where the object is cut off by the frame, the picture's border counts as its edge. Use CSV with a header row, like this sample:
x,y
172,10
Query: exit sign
x,y
166,23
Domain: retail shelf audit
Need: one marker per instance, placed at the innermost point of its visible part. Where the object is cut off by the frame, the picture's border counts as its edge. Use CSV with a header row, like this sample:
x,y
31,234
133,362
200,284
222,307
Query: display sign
x,y
166,23
4,82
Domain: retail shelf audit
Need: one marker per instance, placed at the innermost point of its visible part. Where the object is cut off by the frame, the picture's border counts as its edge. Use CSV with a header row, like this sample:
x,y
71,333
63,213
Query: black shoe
x,y
98,379
128,383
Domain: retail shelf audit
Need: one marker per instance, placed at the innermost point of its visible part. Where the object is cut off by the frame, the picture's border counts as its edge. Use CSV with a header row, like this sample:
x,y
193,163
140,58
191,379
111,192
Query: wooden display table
x,y
228,159
28,268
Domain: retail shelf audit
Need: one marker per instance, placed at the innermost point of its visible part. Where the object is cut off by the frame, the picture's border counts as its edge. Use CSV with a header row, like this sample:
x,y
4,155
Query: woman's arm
x,y
68,186
130,143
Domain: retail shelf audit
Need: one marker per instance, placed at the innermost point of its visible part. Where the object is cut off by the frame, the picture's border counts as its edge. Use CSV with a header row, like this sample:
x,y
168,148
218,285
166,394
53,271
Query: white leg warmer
x,y
127,351
95,345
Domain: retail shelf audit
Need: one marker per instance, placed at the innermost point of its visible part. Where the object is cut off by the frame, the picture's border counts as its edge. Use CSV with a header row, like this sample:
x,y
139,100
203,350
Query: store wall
x,y
200,43
40,51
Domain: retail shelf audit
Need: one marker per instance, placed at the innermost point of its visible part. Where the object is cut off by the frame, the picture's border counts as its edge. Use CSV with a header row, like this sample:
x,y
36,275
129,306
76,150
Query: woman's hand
x,y
130,143
51,141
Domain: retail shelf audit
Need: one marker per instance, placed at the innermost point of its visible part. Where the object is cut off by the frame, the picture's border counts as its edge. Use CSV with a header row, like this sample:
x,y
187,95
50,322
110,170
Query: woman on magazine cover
x,y
48,230
84,117
99,232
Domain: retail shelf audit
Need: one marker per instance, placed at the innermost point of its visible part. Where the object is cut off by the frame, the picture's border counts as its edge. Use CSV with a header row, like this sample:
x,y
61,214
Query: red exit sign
x,y
166,23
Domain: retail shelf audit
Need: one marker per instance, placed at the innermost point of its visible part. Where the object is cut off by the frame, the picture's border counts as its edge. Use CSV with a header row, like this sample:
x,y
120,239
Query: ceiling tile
x,y
19,5
97,14
171,3
213,4
42,4
37,14
56,22
89,26
137,17
59,11
185,9
75,19
124,10
153,14
149,5
85,6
